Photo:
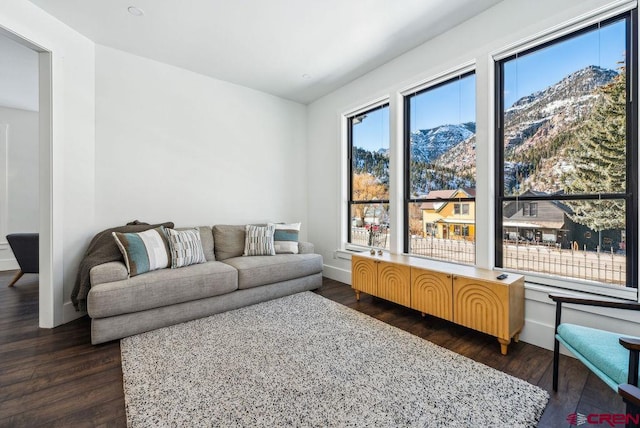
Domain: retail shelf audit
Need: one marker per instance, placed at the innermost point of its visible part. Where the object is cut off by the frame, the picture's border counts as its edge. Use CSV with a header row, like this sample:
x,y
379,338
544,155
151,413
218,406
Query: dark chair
x,y
611,356
26,250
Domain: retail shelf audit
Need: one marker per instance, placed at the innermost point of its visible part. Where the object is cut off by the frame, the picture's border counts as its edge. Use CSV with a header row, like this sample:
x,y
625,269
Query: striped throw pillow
x,y
186,247
259,240
285,238
144,251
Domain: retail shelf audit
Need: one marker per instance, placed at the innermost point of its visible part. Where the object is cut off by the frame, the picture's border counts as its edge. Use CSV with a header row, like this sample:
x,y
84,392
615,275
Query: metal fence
x,y
370,237
605,267
454,250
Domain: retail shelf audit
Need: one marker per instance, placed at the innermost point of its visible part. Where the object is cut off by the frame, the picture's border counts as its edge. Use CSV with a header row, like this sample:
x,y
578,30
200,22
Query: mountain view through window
x,y
441,173
369,184
565,157
564,145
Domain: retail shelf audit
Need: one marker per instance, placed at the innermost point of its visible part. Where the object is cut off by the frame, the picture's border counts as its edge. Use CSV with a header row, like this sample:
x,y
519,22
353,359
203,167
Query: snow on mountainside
x,y
429,144
569,100
537,130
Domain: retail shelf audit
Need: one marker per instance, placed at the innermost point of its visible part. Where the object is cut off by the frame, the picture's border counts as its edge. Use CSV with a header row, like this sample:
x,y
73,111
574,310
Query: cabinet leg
x,y
357,295
516,337
503,345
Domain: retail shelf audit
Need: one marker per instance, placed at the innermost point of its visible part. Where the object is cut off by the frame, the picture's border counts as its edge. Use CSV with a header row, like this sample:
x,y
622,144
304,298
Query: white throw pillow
x,y
259,240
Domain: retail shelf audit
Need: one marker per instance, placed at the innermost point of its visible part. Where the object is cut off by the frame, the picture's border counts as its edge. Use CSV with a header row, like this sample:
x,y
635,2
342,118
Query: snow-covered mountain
x,y
567,101
428,145
538,130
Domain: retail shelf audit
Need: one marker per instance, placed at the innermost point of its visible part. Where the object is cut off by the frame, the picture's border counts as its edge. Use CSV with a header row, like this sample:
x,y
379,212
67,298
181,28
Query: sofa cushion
x,y
161,288
186,247
262,270
601,349
228,240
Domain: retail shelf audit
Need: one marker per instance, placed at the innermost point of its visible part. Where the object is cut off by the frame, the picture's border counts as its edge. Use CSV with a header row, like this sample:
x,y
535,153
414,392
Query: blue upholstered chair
x,y
25,247
613,357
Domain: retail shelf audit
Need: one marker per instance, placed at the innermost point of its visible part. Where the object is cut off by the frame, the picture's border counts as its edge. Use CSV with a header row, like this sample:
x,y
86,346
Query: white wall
x,y
19,177
19,145
503,25
67,160
23,169
18,76
173,145
166,144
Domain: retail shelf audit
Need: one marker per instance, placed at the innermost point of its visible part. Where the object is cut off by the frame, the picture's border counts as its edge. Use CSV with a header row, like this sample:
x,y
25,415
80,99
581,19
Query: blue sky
x,y
454,103
373,132
449,104
540,69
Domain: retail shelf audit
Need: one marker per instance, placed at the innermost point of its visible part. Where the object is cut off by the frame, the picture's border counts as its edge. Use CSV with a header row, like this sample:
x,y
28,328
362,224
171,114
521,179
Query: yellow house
x,y
445,218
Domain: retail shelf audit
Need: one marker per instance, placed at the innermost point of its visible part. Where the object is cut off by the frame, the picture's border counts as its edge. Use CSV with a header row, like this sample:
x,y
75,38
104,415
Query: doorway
x,y
19,145
25,158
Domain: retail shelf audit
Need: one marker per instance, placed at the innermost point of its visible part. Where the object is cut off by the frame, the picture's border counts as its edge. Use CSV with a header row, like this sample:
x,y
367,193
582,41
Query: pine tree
x,y
600,160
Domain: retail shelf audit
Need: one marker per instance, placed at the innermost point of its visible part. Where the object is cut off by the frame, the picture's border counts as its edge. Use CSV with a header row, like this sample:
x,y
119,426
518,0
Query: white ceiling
x,y
295,49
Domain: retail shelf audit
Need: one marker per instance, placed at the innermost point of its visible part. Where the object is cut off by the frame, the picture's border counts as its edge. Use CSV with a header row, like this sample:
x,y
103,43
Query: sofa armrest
x,y
108,272
305,248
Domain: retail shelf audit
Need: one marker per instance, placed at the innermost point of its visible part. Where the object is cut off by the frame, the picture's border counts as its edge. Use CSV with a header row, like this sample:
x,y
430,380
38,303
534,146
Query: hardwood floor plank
x,y
90,392
81,348
63,396
592,396
109,414
571,381
61,371
528,362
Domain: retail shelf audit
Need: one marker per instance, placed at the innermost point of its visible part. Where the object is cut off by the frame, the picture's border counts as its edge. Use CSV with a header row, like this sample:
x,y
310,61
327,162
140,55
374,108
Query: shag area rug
x,y
305,361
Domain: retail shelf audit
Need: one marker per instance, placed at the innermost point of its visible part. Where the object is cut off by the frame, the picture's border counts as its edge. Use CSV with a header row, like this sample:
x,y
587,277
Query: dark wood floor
x,y
55,377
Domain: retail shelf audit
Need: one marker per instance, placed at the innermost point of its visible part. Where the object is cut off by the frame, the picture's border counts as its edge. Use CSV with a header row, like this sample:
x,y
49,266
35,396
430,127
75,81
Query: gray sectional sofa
x,y
120,306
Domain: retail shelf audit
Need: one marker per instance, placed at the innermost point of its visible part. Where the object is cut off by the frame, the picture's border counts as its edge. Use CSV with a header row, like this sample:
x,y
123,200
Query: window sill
x,y
540,293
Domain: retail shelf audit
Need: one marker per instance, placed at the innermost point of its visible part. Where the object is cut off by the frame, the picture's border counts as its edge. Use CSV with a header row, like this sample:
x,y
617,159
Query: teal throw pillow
x,y
144,251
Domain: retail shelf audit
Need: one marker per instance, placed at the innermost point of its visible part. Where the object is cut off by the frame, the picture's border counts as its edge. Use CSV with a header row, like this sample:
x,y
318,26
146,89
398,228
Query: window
x,y
529,209
461,209
567,173
440,177
460,230
368,144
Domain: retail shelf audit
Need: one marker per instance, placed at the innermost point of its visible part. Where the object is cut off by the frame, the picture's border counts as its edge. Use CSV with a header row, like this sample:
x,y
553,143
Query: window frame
x,y
443,80
632,165
350,200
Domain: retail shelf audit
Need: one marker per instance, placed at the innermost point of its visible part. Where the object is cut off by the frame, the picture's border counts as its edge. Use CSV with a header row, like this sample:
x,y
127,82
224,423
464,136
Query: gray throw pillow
x,y
228,241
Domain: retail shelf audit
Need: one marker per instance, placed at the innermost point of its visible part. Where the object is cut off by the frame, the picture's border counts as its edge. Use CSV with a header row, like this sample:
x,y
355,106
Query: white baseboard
x,y
69,313
337,274
9,264
537,333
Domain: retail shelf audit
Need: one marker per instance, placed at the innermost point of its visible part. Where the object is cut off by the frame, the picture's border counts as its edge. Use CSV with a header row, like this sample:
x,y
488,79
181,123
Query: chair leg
x,y
633,415
16,278
556,362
